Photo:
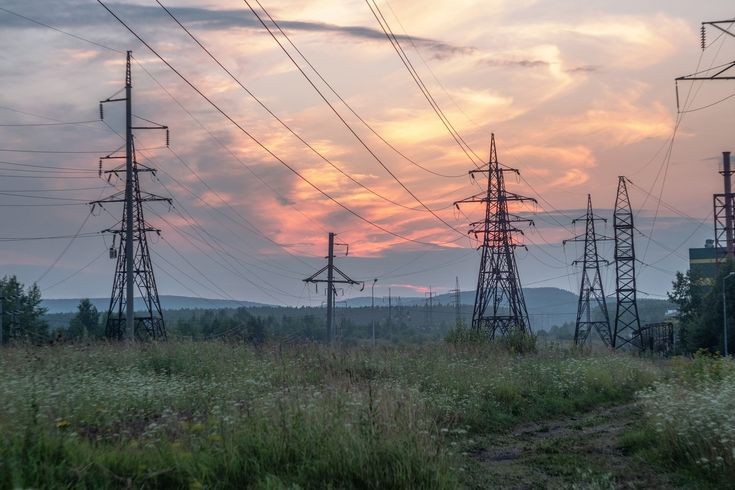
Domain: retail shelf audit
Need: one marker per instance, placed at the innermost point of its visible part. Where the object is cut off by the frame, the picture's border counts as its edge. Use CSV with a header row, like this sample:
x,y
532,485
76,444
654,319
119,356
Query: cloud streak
x,y
212,20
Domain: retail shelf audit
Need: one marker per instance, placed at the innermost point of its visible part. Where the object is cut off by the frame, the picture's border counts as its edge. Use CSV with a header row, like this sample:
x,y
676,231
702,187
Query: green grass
x,y
689,424
218,415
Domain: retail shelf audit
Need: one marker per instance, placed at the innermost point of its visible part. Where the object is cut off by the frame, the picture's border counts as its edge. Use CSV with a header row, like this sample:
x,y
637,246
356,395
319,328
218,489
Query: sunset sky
x,y
577,93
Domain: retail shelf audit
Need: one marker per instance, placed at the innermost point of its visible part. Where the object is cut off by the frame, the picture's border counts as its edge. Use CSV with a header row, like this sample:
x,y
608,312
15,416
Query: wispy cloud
x,y
210,19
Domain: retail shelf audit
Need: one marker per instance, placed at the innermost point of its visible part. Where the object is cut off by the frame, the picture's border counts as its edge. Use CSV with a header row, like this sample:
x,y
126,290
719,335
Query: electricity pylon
x,y
627,322
500,307
331,269
134,267
724,204
591,290
457,300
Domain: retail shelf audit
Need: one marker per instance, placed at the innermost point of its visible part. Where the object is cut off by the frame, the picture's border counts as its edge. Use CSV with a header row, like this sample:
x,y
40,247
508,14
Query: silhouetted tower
x,y
499,303
429,309
591,291
723,212
456,296
331,269
627,322
134,269
724,208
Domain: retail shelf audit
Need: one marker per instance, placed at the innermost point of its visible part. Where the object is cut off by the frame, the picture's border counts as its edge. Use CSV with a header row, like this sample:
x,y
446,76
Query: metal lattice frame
x,y
499,303
134,269
591,292
720,209
627,321
149,324
658,337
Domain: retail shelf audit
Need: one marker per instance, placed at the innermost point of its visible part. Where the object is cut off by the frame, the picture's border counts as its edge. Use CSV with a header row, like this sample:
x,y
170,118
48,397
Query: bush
x,y
515,342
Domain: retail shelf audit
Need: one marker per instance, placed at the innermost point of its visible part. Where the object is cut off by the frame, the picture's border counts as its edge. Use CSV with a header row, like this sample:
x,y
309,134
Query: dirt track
x,y
581,451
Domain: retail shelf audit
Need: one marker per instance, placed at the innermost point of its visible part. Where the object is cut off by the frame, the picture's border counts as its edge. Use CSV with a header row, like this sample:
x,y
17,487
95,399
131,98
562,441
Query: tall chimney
x,y
727,173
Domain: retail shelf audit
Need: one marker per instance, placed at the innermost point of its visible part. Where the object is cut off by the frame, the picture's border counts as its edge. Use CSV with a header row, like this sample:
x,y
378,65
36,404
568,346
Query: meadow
x,y
222,415
689,421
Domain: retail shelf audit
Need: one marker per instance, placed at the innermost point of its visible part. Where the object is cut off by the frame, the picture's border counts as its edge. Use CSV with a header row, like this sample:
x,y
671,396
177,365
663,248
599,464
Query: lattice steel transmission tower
x,y
724,213
499,303
590,290
627,322
724,204
134,269
457,302
343,278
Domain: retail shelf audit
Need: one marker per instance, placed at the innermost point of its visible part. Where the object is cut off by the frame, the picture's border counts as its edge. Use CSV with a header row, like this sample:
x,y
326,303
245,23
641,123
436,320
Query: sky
x,y
577,94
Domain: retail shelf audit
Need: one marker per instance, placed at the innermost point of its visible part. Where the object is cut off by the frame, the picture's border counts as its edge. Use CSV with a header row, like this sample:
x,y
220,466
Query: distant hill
x,y
541,297
546,306
167,303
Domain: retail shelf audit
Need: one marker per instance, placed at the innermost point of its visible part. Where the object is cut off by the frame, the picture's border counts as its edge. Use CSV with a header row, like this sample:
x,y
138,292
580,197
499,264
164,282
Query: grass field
x,y
216,415
689,423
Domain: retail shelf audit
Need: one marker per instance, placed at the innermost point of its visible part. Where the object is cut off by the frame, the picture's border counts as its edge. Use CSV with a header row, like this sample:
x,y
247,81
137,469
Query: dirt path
x,y
581,451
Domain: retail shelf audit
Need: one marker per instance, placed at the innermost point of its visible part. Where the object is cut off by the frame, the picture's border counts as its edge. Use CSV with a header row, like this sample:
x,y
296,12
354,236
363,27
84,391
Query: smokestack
x,y
727,173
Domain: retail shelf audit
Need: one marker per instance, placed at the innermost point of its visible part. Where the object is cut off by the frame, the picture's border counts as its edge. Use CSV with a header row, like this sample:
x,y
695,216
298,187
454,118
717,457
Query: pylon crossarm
x,y
147,229
148,197
715,76
511,196
479,197
716,25
312,278
347,279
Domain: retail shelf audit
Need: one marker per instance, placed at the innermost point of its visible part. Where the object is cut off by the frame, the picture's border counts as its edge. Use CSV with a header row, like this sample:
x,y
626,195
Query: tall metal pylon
x,y
500,307
590,290
134,269
724,204
457,300
331,269
724,213
627,322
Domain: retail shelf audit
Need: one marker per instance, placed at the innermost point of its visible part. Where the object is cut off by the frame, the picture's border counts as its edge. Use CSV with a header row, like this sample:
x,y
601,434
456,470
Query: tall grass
x,y
691,418
222,415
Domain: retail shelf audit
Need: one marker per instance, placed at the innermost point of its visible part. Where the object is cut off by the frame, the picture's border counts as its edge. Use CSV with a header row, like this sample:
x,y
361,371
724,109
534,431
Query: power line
x,y
41,205
52,167
64,250
71,189
349,107
52,237
226,148
417,78
280,121
76,272
258,142
345,123
67,123
667,159
66,33
229,267
708,105
55,177
61,152
11,194
247,222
